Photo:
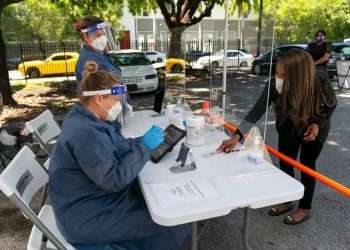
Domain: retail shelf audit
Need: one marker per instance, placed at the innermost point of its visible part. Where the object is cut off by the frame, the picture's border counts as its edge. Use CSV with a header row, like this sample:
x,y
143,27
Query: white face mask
x,y
279,85
114,112
100,43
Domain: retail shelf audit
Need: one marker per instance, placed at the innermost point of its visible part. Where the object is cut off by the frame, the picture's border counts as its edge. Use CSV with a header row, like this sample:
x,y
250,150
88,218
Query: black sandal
x,y
289,220
274,211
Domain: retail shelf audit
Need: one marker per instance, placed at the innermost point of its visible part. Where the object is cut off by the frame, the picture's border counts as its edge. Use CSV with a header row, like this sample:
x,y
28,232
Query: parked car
x,y
155,56
56,64
158,60
175,65
193,55
138,74
13,62
340,51
261,64
235,58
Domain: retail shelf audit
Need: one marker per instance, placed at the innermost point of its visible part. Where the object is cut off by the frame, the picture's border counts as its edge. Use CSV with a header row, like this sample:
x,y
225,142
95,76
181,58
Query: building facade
x,y
150,27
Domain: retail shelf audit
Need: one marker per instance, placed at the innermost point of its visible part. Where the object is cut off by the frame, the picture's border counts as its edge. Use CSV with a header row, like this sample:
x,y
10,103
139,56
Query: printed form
x,y
179,192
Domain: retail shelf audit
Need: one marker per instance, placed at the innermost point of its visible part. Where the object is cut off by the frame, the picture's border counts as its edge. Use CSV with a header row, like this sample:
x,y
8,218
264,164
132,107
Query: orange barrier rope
x,y
325,180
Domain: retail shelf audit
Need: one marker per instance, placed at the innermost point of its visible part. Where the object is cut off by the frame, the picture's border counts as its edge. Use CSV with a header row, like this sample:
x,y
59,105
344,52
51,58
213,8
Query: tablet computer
x,y
172,135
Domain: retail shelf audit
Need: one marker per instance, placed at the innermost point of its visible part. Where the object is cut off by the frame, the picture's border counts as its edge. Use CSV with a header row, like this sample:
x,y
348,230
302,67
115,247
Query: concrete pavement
x,y
329,226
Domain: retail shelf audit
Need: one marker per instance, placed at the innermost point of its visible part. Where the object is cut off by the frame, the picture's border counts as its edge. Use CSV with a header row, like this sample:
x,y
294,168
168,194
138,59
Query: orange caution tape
x,y
325,180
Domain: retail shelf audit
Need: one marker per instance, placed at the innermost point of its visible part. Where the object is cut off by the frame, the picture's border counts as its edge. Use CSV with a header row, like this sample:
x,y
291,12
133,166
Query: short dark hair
x,y
320,31
86,21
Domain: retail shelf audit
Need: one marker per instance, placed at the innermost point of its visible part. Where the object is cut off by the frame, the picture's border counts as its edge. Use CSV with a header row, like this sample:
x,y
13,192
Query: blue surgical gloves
x,y
153,137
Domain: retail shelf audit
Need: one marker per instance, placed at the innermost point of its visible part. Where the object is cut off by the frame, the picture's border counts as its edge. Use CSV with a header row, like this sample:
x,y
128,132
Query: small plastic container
x,y
195,130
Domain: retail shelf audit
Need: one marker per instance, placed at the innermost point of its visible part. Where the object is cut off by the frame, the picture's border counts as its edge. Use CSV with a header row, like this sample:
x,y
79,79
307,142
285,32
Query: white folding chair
x,y
45,130
22,178
343,73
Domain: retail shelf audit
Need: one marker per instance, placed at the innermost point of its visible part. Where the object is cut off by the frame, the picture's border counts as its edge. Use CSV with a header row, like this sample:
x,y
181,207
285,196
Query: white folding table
x,y
236,181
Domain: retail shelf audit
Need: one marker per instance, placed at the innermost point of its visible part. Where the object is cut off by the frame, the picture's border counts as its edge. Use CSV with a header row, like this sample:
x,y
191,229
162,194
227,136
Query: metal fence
x,y
19,52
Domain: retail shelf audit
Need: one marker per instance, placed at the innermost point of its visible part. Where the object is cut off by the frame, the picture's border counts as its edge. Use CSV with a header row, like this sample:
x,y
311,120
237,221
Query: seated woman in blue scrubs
x,y
93,170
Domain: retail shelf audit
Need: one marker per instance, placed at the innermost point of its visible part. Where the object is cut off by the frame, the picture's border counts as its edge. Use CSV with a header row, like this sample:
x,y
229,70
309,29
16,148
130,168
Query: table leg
x,y
246,228
194,244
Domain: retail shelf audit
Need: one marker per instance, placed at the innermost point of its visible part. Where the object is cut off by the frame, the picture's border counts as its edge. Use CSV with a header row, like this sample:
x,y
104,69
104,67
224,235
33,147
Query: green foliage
x,y
109,10
52,19
137,6
243,7
298,20
45,20
35,20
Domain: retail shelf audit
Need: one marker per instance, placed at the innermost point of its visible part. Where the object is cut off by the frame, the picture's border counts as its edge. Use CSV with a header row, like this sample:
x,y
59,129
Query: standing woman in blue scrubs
x,y
93,175
98,41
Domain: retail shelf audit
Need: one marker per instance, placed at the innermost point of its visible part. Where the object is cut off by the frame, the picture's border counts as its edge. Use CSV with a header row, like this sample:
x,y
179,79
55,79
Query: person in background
x,y
98,41
93,175
320,50
304,102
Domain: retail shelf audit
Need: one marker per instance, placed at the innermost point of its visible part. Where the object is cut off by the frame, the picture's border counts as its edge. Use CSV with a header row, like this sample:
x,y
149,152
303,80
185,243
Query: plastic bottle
x,y
179,119
195,130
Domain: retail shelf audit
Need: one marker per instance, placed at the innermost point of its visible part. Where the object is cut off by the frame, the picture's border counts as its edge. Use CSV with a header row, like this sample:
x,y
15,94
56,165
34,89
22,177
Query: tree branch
x,y
165,12
193,6
180,5
206,13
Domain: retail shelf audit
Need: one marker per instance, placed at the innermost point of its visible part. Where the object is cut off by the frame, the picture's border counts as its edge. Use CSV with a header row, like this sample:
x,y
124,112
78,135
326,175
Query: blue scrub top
x,y
102,59
93,187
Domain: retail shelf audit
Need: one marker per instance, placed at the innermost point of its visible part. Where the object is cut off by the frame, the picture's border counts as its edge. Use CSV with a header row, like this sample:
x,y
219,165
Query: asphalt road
x,y
329,226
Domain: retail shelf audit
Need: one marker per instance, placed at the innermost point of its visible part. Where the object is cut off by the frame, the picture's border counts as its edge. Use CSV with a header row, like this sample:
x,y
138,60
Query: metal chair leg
x,y
43,199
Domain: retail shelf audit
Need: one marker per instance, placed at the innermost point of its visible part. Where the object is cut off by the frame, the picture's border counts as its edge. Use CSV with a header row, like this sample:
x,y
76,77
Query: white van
x,y
138,74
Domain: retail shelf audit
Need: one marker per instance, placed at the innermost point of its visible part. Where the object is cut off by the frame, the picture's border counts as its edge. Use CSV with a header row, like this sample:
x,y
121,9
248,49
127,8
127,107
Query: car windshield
x,y
130,59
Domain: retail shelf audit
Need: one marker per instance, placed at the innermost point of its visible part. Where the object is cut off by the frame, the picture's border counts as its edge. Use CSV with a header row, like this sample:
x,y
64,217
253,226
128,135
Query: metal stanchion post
x,y
194,244
246,229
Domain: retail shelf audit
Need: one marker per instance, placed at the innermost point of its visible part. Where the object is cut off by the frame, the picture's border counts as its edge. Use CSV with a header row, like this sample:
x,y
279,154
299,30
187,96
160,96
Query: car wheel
x,y
256,69
33,73
215,65
243,64
177,68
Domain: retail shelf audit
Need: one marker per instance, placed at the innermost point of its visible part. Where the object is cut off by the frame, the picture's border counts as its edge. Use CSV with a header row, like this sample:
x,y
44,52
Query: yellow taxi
x,y
175,65
56,64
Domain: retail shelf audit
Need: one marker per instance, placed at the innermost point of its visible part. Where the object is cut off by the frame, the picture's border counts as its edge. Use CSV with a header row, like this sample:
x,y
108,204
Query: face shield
x,y
116,109
101,37
120,91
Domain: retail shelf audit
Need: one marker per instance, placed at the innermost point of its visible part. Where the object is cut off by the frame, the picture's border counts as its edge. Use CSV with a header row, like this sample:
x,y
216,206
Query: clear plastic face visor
x,y
101,29
120,91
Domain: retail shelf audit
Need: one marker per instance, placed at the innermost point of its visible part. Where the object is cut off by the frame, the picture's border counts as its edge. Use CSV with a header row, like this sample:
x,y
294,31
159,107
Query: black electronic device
x,y
172,135
158,100
182,157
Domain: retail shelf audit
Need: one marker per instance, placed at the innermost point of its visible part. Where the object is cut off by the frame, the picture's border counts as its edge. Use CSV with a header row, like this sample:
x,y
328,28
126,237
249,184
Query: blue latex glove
x,y
153,137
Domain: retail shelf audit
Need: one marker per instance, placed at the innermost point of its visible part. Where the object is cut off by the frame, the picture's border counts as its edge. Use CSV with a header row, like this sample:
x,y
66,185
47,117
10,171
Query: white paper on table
x,y
180,192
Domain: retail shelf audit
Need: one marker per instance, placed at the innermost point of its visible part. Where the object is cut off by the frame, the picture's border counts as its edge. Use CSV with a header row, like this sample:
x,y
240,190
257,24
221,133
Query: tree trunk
x,y
5,87
175,47
258,46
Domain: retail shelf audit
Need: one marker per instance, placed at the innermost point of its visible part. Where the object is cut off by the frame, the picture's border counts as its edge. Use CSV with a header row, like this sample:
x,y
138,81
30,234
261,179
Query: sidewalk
x,y
328,228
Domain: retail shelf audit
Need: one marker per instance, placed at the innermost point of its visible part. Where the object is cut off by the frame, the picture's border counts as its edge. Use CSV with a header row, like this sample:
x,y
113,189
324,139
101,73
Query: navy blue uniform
x,y
94,192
